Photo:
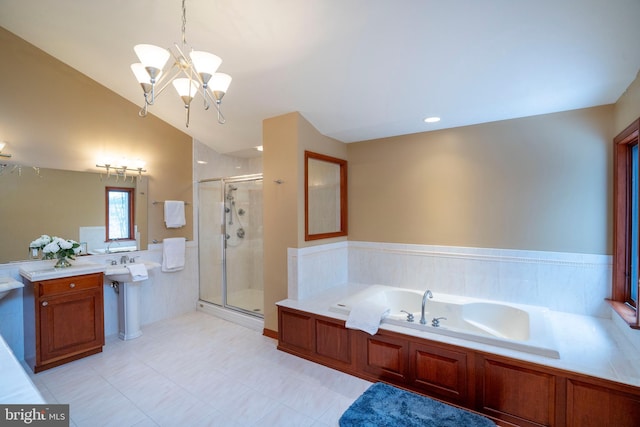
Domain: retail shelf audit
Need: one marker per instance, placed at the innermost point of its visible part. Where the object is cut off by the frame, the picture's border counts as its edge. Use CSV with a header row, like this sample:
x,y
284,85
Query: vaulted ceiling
x,y
356,69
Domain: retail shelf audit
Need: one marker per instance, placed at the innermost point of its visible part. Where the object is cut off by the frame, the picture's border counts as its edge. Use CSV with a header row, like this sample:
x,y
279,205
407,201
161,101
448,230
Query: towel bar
x,y
156,202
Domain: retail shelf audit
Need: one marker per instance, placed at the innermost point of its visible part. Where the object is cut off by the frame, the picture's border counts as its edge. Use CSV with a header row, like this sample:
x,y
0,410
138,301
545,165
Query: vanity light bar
x,y
121,170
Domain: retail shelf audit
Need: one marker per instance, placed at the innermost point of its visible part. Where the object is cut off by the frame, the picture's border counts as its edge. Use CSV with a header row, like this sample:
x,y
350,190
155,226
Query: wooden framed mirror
x,y
325,196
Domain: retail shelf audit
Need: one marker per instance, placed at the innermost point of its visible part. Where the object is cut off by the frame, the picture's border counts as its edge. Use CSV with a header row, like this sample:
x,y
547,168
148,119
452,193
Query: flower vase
x,y
63,262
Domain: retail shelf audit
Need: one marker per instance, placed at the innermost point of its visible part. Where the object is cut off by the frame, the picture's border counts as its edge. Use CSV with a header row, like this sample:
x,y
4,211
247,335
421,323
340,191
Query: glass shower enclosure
x,y
230,243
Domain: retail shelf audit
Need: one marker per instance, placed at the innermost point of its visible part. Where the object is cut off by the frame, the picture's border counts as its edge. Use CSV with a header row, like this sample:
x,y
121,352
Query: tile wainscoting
x,y
566,282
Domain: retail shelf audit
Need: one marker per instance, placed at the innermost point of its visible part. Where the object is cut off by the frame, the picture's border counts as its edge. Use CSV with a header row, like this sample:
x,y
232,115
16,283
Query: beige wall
x,y
537,183
285,138
53,116
627,109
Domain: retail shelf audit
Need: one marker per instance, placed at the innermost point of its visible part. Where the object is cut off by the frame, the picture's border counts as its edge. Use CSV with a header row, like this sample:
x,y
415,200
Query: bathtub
x,y
514,326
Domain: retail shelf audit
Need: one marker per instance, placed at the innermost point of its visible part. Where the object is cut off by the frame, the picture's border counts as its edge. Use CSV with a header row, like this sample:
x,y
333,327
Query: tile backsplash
x,y
567,282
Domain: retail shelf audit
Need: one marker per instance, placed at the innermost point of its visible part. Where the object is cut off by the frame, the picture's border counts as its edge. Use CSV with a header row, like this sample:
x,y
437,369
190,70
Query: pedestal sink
x,y
128,300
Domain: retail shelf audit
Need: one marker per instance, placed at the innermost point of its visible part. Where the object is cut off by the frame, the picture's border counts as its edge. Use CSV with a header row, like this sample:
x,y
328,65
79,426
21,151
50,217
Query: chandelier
x,y
190,75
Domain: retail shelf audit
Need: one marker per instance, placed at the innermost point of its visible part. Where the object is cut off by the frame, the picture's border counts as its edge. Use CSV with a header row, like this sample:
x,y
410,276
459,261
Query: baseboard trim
x,y
270,333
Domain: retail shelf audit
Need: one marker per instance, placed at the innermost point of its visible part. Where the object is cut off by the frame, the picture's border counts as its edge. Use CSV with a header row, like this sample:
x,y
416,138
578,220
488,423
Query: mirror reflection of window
x,y
324,196
119,220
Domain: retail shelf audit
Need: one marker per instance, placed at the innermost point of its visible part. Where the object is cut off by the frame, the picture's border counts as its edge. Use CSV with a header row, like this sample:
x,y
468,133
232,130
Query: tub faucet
x,y
427,294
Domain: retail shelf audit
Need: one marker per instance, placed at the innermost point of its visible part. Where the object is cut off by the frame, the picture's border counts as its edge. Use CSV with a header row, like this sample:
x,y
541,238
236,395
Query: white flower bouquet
x,y
56,247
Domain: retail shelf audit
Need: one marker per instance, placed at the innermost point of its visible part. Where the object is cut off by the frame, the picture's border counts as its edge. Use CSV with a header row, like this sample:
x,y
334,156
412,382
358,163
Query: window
x,y
626,206
119,213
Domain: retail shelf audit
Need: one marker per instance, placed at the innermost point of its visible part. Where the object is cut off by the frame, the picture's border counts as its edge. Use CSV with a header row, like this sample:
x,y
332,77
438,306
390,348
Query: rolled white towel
x,y
366,316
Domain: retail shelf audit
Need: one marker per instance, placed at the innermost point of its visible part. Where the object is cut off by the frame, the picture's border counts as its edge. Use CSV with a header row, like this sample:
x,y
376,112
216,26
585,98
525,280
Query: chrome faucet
x,y
123,259
108,250
427,294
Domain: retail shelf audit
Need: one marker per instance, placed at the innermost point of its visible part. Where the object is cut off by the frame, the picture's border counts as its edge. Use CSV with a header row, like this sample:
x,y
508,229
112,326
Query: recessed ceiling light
x,y
201,162
432,119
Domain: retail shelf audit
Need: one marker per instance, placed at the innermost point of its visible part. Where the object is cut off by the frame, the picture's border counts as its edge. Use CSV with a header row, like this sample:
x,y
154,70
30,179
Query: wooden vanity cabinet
x,y
63,320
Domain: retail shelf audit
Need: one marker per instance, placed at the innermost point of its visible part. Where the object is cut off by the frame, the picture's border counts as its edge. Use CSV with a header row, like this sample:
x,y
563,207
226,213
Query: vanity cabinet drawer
x,y
69,284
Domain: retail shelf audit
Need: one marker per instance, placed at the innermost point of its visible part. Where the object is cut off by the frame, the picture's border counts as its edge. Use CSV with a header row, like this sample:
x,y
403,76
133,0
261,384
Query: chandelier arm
x,y
216,103
207,98
143,110
166,79
221,118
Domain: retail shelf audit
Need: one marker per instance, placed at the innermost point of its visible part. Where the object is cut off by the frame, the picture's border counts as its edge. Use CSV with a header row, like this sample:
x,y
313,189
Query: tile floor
x,y
198,370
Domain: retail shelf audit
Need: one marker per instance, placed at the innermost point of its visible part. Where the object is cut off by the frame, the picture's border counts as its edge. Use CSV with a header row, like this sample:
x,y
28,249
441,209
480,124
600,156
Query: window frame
x,y
622,214
131,210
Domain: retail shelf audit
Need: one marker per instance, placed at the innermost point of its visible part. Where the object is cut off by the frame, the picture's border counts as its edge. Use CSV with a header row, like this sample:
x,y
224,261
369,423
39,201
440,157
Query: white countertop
x,y
587,345
15,385
46,270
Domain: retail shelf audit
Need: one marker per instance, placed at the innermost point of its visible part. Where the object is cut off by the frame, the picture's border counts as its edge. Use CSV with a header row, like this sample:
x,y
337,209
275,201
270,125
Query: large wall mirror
x,y
325,195
68,204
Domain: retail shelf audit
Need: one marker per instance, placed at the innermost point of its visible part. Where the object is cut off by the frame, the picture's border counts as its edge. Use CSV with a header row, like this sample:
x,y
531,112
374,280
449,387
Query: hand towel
x,y
366,316
173,251
138,272
174,214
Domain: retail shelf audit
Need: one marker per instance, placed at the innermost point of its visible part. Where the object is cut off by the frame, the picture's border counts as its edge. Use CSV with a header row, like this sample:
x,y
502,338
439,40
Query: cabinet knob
x,y
45,303
72,285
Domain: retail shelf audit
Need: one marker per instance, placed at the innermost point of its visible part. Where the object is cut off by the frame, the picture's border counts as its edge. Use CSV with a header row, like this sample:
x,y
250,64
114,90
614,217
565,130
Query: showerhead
x,y
229,190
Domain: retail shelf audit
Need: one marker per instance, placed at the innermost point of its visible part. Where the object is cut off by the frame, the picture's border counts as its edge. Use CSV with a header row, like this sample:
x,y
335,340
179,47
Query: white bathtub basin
x,y
514,326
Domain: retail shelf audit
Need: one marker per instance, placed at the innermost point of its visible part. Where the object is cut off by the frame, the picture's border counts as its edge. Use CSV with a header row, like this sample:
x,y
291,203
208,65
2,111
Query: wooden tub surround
x,y
510,391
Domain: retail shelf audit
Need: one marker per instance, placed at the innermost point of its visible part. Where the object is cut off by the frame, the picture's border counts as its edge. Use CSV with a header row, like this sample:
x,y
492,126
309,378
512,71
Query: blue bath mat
x,y
384,405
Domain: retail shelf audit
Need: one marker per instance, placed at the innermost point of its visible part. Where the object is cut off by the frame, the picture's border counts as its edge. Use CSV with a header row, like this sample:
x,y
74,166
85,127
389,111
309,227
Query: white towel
x,y
174,214
173,251
366,316
138,272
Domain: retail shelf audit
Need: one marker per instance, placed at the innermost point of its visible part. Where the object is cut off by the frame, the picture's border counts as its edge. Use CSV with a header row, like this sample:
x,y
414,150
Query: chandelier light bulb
x,y
186,88
219,84
205,64
141,73
153,58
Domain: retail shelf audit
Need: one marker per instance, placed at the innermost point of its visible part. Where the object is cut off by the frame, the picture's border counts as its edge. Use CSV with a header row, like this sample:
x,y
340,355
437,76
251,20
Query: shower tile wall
x,y
244,255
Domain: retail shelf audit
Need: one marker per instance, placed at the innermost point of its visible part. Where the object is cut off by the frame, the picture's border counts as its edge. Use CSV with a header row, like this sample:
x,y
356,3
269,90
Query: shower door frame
x,y
223,229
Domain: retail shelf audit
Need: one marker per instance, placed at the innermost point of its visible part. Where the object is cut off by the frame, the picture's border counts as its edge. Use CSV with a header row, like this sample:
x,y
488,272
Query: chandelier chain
x,y
184,22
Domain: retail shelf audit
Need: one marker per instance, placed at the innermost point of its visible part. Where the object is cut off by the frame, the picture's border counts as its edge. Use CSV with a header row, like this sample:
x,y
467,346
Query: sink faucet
x,y
427,294
123,259
108,250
